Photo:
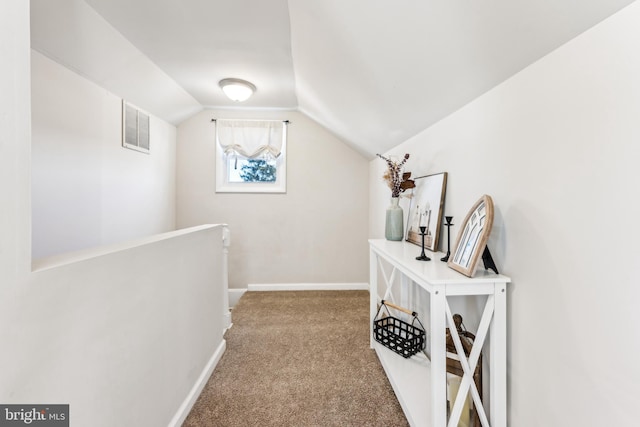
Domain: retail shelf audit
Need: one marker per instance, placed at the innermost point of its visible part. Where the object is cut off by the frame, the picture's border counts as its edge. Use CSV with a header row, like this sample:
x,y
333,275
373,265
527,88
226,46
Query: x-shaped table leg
x,y
388,280
469,365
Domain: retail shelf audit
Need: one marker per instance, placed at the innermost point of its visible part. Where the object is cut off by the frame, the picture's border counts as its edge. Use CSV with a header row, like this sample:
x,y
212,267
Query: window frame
x,y
223,185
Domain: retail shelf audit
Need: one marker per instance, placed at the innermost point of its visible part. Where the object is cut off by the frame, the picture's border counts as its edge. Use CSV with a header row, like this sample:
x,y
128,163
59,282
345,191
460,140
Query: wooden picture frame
x,y
428,195
472,238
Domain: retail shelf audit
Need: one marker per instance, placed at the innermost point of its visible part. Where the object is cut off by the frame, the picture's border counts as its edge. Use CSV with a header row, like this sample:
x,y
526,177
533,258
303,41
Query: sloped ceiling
x,y
374,72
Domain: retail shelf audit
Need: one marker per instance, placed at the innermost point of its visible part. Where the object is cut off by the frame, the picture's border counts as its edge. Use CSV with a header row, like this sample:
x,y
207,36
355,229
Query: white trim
x,y
309,287
234,296
56,261
190,400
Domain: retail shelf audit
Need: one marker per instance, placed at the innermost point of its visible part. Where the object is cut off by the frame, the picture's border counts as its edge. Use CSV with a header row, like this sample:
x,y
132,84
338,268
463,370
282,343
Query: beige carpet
x,y
298,359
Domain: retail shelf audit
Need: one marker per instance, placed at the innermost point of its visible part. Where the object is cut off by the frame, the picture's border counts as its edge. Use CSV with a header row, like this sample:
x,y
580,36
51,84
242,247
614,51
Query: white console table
x,y
420,382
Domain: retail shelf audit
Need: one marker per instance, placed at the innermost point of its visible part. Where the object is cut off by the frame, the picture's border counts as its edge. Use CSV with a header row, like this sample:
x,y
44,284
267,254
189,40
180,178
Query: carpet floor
x,y
298,358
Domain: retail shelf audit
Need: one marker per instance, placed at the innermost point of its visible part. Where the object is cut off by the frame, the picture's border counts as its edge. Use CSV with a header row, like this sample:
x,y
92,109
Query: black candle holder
x,y
423,256
448,224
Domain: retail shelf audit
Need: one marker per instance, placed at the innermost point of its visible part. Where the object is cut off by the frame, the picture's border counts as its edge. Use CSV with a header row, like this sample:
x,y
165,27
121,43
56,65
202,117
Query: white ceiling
x,y
374,72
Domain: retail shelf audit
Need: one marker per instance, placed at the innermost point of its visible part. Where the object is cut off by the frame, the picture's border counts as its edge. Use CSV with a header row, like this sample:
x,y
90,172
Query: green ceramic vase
x,y
394,225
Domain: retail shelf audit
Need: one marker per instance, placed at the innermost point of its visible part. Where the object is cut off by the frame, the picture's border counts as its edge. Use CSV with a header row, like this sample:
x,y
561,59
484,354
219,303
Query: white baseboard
x,y
309,287
190,400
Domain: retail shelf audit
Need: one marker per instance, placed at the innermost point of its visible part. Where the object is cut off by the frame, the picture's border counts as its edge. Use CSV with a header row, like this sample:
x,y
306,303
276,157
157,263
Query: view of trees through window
x,y
251,170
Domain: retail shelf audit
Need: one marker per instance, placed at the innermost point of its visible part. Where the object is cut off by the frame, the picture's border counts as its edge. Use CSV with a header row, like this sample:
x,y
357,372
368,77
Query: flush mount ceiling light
x,y
237,89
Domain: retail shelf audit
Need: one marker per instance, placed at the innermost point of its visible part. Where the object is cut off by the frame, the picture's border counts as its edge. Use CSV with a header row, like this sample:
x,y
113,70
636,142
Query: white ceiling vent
x,y
135,128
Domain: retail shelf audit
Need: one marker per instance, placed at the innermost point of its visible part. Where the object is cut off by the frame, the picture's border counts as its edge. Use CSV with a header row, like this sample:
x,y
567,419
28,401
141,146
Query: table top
x,y
435,272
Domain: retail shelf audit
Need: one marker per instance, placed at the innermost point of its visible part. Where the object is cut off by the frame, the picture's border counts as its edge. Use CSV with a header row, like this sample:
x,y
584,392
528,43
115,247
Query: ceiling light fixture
x,y
237,89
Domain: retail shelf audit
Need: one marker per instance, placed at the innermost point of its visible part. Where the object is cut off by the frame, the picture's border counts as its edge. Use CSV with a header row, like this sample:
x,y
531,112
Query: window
x,y
251,156
135,128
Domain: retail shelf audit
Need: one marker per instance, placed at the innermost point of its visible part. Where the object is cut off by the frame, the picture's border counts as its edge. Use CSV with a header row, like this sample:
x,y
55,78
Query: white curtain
x,y
250,138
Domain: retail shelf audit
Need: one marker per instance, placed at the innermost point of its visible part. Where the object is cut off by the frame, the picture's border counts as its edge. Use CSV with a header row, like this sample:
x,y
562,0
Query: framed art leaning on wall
x,y
472,238
426,207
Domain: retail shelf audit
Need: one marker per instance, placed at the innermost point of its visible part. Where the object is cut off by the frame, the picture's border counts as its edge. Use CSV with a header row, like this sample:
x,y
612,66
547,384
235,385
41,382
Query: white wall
x,y
557,148
121,336
315,233
87,190
15,134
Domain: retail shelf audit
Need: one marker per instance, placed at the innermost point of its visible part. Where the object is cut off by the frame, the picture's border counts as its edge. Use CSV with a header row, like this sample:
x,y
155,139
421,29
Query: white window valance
x,y
251,138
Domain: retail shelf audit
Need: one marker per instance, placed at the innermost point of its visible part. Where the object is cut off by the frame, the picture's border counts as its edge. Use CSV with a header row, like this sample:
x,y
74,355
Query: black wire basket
x,y
404,338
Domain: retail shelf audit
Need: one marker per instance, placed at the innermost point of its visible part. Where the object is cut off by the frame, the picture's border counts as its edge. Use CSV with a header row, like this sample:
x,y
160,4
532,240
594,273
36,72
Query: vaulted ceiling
x,y
374,72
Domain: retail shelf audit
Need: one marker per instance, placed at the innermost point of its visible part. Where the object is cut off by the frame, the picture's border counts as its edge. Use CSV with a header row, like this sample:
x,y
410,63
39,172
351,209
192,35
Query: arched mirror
x,y
473,236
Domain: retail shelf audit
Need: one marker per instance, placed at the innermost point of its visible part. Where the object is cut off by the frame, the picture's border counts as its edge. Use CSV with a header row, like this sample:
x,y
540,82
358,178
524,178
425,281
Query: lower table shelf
x,y
411,382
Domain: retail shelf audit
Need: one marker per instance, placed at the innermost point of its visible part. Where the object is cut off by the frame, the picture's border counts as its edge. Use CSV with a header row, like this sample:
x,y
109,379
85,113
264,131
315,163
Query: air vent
x,y
135,128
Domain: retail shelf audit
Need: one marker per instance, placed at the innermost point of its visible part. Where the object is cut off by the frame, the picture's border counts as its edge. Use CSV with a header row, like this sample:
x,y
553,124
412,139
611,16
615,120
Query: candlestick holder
x,y
448,224
423,256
